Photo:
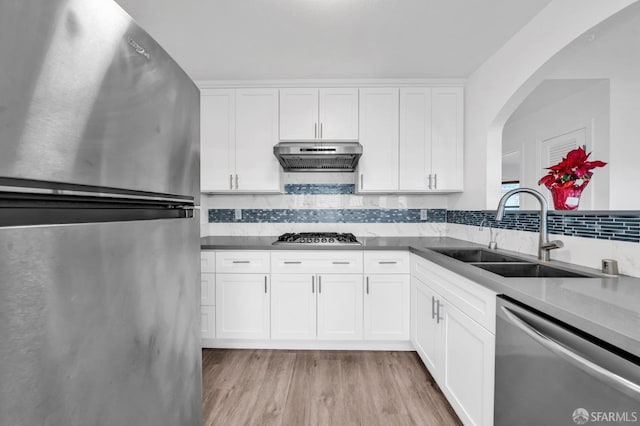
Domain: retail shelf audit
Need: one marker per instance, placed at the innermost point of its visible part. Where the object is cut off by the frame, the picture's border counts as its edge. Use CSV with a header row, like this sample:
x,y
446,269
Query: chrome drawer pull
x,y
387,262
341,263
292,262
241,261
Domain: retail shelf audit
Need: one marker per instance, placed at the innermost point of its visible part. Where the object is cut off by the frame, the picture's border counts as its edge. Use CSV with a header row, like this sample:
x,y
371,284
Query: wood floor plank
x,y
273,391
277,387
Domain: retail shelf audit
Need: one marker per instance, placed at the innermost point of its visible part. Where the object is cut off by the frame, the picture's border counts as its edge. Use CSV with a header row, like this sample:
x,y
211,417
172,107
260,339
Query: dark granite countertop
x,y
605,307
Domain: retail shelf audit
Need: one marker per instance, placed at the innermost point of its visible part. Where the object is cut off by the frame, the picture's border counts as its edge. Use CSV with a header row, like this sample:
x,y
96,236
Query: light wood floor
x,y
268,387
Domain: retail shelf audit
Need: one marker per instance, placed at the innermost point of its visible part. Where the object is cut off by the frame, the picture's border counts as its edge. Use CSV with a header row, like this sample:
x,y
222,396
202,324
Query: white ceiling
x,y
297,39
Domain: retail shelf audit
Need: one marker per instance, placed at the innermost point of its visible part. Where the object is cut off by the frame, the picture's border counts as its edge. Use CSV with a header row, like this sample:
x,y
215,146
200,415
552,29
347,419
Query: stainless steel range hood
x,y
318,156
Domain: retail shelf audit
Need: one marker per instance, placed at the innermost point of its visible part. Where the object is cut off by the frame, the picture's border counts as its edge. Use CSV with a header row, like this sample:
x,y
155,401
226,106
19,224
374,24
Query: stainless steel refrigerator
x,y
99,228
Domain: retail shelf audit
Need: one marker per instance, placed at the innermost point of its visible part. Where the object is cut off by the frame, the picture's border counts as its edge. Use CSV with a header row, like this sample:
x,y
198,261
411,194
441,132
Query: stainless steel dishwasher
x,y
548,373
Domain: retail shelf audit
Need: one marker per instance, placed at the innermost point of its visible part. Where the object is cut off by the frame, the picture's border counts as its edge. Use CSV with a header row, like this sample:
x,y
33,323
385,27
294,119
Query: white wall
x,y
587,108
495,89
612,51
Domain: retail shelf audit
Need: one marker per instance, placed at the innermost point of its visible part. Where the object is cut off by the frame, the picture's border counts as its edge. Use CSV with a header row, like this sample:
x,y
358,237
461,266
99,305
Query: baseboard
x,y
351,345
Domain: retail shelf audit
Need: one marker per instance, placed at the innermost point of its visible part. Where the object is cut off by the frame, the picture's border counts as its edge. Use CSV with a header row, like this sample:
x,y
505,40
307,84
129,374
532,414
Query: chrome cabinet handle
x,y
361,181
241,261
313,284
433,309
315,130
292,262
574,358
387,262
230,181
320,130
335,262
265,284
367,285
237,186
438,317
435,181
319,284
429,180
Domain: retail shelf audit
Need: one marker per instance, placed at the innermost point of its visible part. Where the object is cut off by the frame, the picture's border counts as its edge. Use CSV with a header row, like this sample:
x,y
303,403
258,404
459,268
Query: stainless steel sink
x,y
477,255
532,270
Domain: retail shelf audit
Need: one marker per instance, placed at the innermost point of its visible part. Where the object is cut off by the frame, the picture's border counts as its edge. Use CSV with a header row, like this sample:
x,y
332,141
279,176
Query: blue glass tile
x,y
319,188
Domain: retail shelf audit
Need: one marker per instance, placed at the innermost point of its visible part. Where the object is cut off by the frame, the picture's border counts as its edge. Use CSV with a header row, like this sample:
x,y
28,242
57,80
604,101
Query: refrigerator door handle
x,y
574,358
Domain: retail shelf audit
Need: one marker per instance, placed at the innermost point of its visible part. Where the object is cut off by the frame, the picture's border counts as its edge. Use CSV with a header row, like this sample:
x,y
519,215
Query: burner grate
x,y
321,238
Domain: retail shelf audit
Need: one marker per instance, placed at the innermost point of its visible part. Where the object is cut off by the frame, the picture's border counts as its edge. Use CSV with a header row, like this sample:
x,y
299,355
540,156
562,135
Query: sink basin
x,y
477,255
532,270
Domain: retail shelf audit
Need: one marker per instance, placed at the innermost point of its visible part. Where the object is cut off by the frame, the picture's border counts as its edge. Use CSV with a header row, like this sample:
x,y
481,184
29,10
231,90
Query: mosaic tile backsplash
x,y
617,226
604,226
327,216
320,188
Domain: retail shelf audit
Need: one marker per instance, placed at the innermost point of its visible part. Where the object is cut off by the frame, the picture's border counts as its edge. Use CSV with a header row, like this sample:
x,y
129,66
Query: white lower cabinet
x,y
293,306
386,307
243,306
208,322
458,351
426,331
467,366
316,306
340,306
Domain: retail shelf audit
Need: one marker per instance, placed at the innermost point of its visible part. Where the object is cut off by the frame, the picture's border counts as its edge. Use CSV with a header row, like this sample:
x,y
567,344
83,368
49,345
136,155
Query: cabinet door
x,y
340,306
242,310
208,289
386,307
447,138
338,114
379,121
298,114
415,139
257,169
217,139
468,366
426,330
208,322
293,306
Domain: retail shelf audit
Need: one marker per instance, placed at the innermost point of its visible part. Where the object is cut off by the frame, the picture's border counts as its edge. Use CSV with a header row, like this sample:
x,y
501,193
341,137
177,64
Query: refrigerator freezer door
x,y
89,98
99,324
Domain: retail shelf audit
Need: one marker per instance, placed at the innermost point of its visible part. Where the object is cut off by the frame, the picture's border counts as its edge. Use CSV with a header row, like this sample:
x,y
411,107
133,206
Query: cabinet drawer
x,y
207,261
208,289
208,322
316,262
476,301
243,262
386,262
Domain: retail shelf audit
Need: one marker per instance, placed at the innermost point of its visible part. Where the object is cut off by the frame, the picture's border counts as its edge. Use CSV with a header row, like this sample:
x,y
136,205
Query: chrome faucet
x,y
492,241
544,245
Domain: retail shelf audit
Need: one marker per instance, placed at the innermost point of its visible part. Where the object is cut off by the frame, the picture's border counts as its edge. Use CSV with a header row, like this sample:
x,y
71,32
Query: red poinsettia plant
x,y
573,170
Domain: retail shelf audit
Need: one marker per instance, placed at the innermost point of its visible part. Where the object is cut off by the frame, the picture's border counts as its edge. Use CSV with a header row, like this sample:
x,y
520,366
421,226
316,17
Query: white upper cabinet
x,y
238,130
339,114
379,121
257,169
318,114
217,139
447,138
415,139
298,114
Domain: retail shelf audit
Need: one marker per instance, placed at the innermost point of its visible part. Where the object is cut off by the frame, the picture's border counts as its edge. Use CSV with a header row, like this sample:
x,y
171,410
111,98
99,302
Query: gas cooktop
x,y
317,238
